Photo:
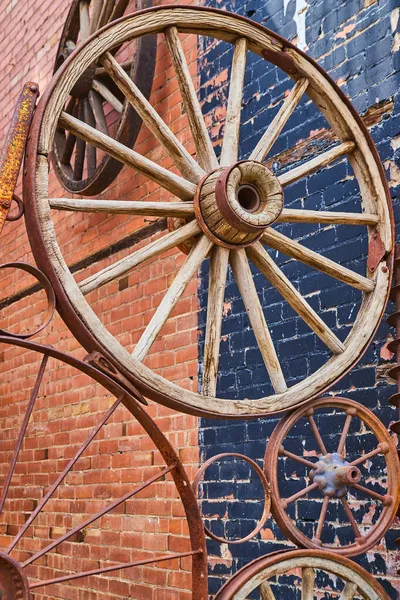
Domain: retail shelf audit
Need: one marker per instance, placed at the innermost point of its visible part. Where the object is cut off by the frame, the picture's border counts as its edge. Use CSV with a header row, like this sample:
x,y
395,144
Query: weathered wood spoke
x,y
270,136
183,160
266,592
70,139
260,257
96,105
173,183
91,159
215,306
292,215
95,13
146,561
196,256
125,207
80,146
108,96
244,279
350,590
84,19
307,583
230,142
63,475
204,148
323,160
127,263
98,515
23,429
284,244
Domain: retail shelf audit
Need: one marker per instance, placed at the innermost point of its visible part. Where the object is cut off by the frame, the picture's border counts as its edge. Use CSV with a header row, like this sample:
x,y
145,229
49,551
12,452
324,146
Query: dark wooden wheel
x,y
95,98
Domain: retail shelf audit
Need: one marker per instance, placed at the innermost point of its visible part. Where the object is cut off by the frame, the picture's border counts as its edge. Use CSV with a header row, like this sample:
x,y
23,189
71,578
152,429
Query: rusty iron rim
x,y
267,495
390,501
249,571
142,73
173,463
192,403
51,298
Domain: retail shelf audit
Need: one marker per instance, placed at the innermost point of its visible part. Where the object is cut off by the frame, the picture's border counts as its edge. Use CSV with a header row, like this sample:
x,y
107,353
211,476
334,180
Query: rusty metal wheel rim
x,y
275,449
256,575
141,72
267,497
80,318
19,582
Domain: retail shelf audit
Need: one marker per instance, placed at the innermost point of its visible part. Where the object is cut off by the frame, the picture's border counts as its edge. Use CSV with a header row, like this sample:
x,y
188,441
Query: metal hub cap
x,y
13,583
333,474
234,205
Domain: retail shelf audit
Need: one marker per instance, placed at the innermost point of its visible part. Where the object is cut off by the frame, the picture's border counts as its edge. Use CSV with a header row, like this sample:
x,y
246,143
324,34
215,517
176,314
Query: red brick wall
x,y
69,404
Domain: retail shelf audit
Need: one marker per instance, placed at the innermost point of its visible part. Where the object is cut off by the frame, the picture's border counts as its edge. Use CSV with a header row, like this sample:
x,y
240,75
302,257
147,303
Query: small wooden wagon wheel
x,y
353,480
96,99
227,210
302,572
65,531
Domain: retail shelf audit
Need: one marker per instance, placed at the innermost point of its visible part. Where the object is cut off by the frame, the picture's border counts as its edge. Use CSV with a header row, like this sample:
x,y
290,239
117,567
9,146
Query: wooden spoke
x,y
136,258
63,475
351,519
266,592
289,104
301,494
350,590
321,520
91,159
204,148
292,215
260,257
95,13
244,279
23,429
215,306
173,183
343,437
147,561
125,207
70,139
171,298
230,143
96,105
84,19
307,583
281,242
98,515
106,12
126,65
316,433
181,157
300,459
364,457
103,90
80,147
316,163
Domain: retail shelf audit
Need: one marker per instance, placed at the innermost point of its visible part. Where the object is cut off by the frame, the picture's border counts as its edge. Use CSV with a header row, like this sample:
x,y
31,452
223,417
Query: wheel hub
x,y
13,583
235,205
333,474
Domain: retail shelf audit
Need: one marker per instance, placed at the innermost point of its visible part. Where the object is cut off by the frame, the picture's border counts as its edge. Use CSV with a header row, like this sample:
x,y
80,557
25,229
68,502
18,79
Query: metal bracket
x,y
376,252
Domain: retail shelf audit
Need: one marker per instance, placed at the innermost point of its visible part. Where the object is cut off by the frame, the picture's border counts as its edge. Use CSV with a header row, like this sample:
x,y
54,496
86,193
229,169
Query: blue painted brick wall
x,y
358,43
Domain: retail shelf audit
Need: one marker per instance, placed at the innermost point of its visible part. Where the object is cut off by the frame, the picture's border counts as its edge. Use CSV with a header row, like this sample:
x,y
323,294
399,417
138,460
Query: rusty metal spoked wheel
x,y
350,475
304,572
65,530
228,210
96,100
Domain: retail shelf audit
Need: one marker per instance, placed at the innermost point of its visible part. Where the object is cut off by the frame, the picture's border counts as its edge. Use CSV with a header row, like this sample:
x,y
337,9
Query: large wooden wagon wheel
x,y
65,531
306,573
332,477
96,99
222,208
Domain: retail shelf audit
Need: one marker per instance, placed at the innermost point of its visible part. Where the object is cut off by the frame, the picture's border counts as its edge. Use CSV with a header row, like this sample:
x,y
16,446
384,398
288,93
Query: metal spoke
x,y
315,431
63,475
98,515
351,519
23,429
349,416
321,521
378,450
196,256
137,563
300,459
386,500
286,501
